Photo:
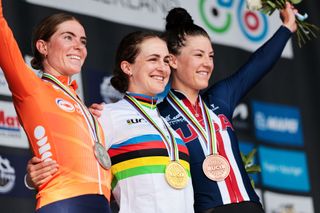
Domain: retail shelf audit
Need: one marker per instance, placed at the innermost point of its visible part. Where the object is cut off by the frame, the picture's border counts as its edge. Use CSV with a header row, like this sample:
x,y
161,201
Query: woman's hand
x,y
39,172
288,17
96,109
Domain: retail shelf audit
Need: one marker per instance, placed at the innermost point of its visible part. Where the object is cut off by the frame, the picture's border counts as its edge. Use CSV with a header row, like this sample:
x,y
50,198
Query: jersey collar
x,y
145,100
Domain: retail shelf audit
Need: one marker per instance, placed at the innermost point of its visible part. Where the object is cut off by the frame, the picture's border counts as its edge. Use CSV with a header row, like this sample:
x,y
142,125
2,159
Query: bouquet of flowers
x,y
305,30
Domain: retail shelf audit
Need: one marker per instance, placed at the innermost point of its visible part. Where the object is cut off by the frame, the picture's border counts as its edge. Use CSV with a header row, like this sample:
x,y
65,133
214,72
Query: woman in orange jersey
x,y
58,125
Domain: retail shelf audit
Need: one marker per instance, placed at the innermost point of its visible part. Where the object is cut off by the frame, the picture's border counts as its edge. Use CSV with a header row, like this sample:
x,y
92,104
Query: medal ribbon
x,y
93,124
172,144
207,134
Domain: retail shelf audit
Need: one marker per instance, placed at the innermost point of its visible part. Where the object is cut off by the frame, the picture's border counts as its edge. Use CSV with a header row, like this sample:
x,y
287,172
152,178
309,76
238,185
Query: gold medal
x,y
176,175
102,155
216,167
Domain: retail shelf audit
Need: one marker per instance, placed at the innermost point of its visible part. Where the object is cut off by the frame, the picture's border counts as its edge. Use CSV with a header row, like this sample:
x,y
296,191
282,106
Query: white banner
x,y
11,132
281,203
4,89
228,22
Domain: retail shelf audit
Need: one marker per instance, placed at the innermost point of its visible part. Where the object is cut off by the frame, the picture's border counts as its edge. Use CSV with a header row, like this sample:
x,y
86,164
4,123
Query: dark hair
x,y
44,30
128,50
179,25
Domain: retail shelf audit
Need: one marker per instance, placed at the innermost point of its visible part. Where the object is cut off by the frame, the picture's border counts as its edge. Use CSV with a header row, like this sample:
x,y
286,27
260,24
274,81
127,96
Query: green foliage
x,y
248,163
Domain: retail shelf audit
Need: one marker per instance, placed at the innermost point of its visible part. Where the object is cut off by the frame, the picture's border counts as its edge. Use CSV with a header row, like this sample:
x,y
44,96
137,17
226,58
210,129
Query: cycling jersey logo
x,y
42,139
221,16
135,121
7,176
175,119
65,105
213,107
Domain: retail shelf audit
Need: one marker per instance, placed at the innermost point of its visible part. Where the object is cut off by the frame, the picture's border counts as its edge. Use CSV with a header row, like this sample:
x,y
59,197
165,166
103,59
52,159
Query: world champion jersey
x,y
55,127
221,99
139,158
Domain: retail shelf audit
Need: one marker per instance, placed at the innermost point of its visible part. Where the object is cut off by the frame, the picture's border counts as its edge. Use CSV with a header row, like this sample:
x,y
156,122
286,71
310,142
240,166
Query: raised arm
x,y
259,64
17,74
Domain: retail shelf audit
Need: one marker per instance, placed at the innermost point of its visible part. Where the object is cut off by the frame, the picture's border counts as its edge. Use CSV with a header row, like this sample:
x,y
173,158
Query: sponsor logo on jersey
x,y
44,147
11,132
283,169
135,121
277,123
7,176
213,107
175,119
65,105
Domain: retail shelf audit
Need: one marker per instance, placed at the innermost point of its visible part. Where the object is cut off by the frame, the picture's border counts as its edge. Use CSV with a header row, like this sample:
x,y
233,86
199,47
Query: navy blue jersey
x,y
221,99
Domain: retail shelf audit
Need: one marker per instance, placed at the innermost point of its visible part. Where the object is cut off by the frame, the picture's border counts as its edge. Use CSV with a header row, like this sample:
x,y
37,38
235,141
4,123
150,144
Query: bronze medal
x,y
102,155
216,167
176,175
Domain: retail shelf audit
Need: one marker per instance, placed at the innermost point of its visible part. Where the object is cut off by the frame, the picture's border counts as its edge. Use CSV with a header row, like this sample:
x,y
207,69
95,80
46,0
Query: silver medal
x,y
102,155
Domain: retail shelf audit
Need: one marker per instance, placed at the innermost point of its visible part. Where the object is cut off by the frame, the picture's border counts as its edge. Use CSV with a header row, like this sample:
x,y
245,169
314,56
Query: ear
x,y
41,46
173,61
126,67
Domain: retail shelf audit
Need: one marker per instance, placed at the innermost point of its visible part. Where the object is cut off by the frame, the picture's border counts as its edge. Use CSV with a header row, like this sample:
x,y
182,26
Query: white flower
x,y
254,4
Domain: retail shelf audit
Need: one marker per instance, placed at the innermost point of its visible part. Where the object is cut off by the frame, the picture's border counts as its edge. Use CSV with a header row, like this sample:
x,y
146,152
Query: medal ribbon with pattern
x,y
207,134
92,123
172,144
175,173
215,166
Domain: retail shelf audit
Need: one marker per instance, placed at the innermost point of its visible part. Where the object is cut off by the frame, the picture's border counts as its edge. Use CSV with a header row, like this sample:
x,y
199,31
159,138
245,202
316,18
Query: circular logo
x,y
253,25
65,105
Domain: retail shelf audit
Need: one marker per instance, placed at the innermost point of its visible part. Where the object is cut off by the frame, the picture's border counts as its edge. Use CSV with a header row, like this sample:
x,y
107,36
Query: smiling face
x,y
193,65
65,51
149,74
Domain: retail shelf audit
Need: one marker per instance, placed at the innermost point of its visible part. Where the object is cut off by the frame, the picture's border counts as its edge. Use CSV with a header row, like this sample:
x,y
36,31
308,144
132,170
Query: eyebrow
x,y
74,35
154,54
157,55
203,51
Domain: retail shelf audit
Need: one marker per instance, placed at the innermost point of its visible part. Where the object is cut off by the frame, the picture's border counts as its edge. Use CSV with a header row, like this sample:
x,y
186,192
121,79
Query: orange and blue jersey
x,y
55,126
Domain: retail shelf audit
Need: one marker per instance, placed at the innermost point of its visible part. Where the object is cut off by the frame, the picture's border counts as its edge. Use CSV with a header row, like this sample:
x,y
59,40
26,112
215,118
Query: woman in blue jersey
x,y
150,162
204,122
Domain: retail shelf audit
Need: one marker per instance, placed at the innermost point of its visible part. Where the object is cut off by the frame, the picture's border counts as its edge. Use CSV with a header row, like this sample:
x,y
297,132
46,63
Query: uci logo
x,y
134,121
220,16
65,105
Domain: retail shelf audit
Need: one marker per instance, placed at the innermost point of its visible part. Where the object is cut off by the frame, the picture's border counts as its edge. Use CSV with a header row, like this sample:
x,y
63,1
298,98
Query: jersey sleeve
x,y
20,78
233,88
